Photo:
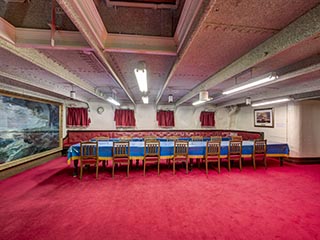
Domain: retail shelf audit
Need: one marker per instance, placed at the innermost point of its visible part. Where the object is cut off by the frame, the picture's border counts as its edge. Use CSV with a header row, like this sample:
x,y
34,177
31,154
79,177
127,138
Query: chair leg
x,y
97,169
265,162
81,169
158,167
187,165
113,164
174,166
218,165
144,167
206,166
240,163
128,167
229,165
254,163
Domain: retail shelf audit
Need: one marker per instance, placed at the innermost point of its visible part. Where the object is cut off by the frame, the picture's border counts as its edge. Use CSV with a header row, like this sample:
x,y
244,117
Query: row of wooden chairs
x,y
121,154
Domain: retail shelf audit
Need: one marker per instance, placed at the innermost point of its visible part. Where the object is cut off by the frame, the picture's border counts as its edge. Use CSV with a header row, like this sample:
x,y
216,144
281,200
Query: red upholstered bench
x,y
76,136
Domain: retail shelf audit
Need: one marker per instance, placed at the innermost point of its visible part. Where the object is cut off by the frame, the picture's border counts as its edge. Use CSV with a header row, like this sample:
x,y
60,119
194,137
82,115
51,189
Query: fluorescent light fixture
x,y
198,102
113,101
141,76
269,78
145,99
271,102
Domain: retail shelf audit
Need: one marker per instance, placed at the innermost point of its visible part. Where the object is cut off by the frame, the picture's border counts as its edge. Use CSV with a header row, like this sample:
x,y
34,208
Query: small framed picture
x,y
263,117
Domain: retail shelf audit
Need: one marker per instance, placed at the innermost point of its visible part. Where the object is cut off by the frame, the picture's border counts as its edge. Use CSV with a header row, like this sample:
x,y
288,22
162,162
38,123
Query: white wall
x,y
295,123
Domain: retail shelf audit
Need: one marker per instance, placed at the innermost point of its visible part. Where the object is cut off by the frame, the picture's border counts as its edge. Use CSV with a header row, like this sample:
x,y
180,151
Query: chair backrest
x,y
216,138
125,138
235,147
172,138
121,149
181,148
101,138
236,138
151,137
260,146
151,147
213,148
89,150
197,138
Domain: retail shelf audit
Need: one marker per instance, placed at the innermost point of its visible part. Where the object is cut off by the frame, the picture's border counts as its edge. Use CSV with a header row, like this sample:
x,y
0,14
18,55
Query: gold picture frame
x,y
30,128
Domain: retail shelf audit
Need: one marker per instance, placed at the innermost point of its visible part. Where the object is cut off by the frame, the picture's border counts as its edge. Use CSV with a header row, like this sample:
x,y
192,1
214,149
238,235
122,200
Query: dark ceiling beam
x,y
86,18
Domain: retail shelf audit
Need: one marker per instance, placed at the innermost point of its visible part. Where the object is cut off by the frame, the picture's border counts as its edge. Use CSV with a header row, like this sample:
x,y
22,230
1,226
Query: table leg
x,y
75,169
281,161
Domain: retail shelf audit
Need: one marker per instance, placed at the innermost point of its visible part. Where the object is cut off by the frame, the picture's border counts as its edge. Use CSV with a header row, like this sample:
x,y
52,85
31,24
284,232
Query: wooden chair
x,y
216,138
235,153
181,150
89,154
151,154
212,153
121,154
125,138
236,138
196,138
259,152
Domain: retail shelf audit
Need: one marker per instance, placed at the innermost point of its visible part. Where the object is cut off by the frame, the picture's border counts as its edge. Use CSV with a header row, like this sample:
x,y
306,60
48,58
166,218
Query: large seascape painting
x,y
28,128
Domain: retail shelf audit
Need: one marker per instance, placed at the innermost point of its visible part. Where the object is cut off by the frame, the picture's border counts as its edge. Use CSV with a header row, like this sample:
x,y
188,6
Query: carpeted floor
x,y
48,203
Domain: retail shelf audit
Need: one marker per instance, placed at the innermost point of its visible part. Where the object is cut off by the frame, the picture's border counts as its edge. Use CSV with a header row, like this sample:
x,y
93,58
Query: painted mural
x,y
27,127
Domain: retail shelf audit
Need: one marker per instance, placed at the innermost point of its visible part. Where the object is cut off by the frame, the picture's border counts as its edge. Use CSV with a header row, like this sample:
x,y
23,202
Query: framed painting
x,y
263,117
30,128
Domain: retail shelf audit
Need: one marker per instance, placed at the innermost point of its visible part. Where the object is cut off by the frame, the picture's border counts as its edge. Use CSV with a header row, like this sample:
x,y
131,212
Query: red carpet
x,y
48,203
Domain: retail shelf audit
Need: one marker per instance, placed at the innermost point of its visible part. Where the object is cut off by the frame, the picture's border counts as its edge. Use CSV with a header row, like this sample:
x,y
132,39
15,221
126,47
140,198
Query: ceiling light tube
x,y
270,102
141,76
198,102
269,78
145,99
113,101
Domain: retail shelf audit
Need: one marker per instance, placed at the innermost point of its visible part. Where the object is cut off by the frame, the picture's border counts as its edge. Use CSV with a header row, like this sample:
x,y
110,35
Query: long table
x,y
196,150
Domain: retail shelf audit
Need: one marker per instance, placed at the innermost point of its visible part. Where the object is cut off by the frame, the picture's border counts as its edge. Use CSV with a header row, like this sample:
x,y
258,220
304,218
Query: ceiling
x,y
93,46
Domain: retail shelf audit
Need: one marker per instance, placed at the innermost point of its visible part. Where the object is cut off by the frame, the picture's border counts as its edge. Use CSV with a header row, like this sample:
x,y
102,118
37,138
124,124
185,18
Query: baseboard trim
x,y
9,172
303,160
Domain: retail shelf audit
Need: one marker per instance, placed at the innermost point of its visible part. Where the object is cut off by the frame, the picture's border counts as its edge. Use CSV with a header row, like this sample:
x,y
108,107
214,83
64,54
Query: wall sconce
x,y
203,97
145,99
141,76
170,98
248,101
72,94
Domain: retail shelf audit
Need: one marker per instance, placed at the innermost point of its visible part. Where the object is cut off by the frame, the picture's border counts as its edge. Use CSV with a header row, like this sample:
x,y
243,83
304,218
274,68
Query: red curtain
x,y
124,118
207,119
78,117
165,118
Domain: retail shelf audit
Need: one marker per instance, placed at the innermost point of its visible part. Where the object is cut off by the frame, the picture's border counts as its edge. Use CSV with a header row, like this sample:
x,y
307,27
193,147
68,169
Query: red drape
x,y
165,118
78,117
124,118
207,119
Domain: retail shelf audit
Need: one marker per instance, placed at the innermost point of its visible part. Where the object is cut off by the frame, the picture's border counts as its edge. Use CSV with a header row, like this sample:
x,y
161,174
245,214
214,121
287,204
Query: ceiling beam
x,y
86,18
126,43
301,29
44,62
